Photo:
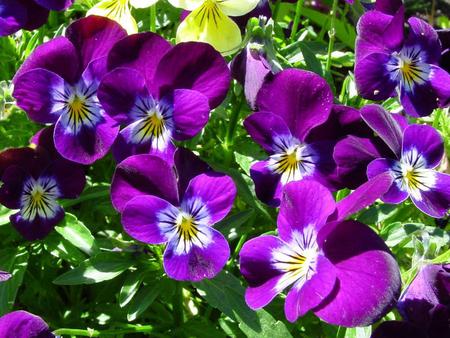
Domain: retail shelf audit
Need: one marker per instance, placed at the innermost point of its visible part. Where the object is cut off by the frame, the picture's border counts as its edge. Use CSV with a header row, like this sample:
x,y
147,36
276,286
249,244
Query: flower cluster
x,y
99,90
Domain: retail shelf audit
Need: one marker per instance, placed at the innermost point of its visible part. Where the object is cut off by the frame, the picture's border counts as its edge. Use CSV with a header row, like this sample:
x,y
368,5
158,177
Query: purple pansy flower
x,y
424,305
22,324
290,105
33,181
178,206
341,270
161,92
418,149
58,84
388,64
27,14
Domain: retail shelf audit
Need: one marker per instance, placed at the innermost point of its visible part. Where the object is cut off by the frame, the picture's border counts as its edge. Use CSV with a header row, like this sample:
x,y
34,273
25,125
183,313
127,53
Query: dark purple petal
x,y
255,261
34,160
187,166
303,203
378,32
424,35
384,124
397,329
382,165
36,15
373,80
313,292
55,5
13,15
301,98
440,82
143,175
198,263
69,176
427,141
353,155
23,325
196,66
140,218
11,189
38,228
423,294
33,91
58,56
435,201
388,6
4,276
142,52
89,144
190,113
93,37
118,91
215,191
267,184
444,37
363,196
368,275
262,9
419,102
264,128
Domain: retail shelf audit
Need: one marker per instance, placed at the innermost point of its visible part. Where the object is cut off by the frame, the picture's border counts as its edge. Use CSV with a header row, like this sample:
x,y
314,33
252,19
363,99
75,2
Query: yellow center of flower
x,y
409,70
187,228
78,111
39,198
153,126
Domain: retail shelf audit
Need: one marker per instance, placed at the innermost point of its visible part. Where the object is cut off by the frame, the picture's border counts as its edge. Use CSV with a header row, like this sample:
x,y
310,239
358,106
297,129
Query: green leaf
x,y
77,234
312,63
4,215
14,261
104,266
61,248
358,332
144,298
130,287
443,258
270,327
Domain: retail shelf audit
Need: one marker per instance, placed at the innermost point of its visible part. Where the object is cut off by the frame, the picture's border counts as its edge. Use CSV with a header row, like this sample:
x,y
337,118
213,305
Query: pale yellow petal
x,y
209,24
117,10
188,5
237,7
142,3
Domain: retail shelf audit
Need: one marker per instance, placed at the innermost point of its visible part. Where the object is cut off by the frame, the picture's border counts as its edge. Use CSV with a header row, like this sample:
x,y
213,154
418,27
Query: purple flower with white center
x,y
27,14
388,64
33,179
160,92
58,84
424,305
341,270
290,105
177,205
22,324
418,149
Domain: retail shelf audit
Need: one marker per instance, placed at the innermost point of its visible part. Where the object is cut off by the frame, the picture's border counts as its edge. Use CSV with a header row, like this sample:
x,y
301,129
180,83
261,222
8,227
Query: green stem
x,y
298,11
331,34
87,197
153,18
178,306
100,333
234,118
276,9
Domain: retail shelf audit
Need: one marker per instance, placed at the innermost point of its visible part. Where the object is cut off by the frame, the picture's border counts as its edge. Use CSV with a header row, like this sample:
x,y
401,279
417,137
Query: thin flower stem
x,y
178,306
234,118
153,18
101,333
331,34
298,12
87,197
276,9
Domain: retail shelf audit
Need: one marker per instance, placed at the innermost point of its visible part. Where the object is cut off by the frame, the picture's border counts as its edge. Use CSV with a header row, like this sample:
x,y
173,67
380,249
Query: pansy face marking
x,y
153,123
297,260
292,159
411,174
187,226
78,105
39,198
408,68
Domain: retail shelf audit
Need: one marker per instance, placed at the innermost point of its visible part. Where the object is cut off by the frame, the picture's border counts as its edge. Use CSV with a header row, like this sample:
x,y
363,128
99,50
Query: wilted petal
x,y
4,276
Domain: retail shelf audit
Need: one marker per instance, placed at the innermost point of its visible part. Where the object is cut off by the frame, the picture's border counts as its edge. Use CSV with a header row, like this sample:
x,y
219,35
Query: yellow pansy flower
x,y
209,22
119,11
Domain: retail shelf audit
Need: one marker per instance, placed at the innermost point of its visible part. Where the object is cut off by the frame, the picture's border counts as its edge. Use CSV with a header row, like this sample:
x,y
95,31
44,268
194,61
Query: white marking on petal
x,y
39,198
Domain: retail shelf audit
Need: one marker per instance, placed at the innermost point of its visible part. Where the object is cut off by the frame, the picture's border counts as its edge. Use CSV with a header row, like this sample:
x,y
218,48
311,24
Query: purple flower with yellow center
x,y
22,324
177,205
388,64
418,149
341,270
27,14
290,105
161,92
58,84
33,179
